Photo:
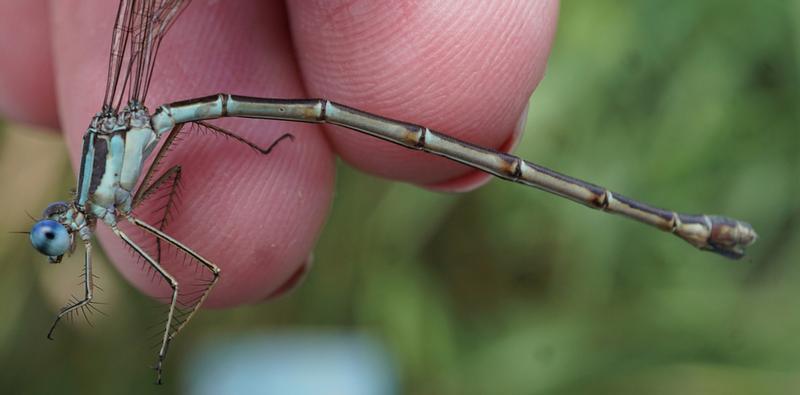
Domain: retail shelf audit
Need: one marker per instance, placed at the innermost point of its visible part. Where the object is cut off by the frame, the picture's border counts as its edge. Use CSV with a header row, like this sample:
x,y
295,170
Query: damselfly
x,y
124,134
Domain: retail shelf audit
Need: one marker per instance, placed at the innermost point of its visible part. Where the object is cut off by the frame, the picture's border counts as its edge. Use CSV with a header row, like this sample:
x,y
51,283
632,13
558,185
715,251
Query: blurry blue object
x,y
300,363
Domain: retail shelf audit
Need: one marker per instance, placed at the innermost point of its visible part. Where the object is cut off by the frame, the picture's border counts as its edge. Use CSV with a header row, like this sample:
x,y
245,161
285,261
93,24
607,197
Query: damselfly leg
x,y
185,299
173,283
148,186
170,180
88,292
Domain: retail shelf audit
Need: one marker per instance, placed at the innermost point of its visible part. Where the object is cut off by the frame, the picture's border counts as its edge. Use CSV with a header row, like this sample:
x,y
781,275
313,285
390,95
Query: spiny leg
x,y
173,177
173,174
264,151
146,186
149,186
215,271
88,288
162,353
146,189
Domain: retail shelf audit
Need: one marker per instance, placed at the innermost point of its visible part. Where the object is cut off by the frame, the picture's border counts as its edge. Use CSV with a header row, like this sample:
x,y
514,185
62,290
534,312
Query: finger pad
x,y
466,70
255,216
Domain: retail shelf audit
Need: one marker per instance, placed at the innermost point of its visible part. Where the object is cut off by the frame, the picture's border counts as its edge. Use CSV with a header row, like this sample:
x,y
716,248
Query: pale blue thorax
x,y
114,150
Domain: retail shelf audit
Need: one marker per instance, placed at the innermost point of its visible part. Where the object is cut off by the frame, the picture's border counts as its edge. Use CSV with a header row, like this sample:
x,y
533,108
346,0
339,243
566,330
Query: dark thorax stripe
x,y
93,165
99,168
87,161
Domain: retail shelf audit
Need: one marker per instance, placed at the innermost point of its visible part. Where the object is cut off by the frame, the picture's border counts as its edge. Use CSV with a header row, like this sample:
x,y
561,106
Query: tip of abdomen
x,y
725,236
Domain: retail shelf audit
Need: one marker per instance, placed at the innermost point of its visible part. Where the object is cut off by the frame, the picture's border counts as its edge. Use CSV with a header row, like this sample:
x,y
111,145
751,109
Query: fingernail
x,y
522,122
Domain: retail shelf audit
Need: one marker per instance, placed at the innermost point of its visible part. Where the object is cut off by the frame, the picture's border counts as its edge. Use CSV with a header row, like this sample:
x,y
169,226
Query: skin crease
x,y
465,69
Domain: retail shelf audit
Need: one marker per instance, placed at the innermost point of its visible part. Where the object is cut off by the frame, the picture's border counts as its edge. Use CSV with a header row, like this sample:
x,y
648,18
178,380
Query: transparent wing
x,y
139,27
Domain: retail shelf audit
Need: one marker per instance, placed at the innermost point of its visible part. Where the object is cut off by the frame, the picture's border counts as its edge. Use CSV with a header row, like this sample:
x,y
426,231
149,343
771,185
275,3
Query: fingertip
x,y
462,70
255,216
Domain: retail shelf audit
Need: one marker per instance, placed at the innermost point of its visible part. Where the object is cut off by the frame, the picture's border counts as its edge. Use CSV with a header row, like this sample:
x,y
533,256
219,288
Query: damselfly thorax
x,y
115,147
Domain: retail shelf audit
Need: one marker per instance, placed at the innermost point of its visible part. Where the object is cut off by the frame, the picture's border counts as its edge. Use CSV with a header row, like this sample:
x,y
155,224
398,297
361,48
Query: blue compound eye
x,y
50,238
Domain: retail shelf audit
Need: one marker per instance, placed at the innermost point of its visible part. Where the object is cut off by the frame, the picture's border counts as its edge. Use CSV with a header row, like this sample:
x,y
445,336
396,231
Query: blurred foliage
x,y
686,104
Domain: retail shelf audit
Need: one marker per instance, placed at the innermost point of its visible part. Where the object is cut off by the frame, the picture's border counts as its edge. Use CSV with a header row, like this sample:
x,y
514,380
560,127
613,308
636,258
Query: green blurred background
x,y
692,105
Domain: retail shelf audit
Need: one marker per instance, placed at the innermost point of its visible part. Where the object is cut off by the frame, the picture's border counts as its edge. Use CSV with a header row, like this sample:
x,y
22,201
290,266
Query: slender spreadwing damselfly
x,y
125,150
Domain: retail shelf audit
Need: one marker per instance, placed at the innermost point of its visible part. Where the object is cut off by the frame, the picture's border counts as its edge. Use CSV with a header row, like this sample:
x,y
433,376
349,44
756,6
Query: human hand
x,y
465,70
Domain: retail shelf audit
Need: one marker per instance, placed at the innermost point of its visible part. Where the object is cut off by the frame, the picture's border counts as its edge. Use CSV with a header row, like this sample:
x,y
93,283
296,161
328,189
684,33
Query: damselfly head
x,y
50,236
55,210
52,239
